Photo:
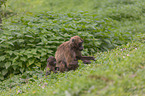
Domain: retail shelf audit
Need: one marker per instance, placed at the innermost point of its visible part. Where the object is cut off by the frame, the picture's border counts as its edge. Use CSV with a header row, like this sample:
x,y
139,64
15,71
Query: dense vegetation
x,y
2,2
36,28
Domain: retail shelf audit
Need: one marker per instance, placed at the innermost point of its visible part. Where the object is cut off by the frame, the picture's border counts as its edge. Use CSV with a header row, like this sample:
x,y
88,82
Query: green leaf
x,y
29,55
7,65
2,64
38,64
23,58
2,58
10,43
44,40
30,62
4,72
38,55
29,36
43,59
20,64
34,51
14,60
10,52
43,53
15,67
1,77
22,70
21,40
16,53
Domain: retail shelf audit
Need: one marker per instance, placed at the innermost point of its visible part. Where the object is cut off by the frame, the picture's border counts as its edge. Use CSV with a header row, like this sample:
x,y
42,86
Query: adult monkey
x,y
68,53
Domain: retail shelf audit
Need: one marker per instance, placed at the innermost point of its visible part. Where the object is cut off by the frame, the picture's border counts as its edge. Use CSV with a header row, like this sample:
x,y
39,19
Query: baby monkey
x,y
51,65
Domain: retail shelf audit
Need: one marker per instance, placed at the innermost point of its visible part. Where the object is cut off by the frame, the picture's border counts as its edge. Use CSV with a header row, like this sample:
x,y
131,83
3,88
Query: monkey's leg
x,y
63,67
86,59
73,65
54,70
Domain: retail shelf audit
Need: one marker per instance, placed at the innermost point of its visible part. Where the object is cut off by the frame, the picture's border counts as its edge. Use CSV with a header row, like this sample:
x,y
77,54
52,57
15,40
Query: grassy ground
x,y
116,72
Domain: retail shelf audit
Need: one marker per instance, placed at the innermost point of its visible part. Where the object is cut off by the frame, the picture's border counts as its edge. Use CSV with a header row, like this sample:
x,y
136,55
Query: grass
x,y
118,71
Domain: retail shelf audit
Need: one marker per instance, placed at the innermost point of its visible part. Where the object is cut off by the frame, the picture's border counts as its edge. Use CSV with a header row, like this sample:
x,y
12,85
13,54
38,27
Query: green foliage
x,y
19,80
2,2
119,13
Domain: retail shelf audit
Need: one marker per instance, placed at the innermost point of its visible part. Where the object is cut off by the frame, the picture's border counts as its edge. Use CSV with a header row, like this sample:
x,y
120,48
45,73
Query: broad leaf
x,y
4,72
15,67
1,77
22,70
7,65
30,62
38,64
2,58
23,58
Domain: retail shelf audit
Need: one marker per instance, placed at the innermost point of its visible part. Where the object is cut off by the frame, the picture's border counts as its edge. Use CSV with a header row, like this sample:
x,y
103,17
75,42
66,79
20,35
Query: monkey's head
x,y
51,60
77,43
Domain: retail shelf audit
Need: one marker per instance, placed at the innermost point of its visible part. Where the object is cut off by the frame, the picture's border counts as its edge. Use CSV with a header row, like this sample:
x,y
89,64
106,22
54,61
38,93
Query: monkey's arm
x,y
78,55
86,59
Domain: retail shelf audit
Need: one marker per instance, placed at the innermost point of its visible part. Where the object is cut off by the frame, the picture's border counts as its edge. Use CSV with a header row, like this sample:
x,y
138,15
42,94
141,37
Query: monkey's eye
x,y
73,40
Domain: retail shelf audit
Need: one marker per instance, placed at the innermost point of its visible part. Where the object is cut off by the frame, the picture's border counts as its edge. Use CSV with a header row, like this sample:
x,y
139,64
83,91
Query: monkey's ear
x,y
73,40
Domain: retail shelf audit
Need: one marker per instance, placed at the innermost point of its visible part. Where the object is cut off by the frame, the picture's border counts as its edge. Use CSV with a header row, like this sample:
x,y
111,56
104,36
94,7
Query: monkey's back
x,y
61,51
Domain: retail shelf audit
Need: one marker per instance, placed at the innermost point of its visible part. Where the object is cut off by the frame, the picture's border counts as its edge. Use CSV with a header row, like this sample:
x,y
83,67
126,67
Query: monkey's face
x,y
51,60
77,43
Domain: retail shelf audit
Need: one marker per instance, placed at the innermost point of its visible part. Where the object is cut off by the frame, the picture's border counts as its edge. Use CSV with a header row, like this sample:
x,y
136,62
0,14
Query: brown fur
x,y
51,65
67,52
62,67
74,65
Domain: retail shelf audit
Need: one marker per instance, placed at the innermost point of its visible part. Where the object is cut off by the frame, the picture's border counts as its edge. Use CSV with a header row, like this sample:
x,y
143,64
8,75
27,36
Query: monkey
x,y
51,65
67,53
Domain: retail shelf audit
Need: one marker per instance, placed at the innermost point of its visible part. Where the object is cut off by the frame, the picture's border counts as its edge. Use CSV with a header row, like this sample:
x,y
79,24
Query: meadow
x,y
112,30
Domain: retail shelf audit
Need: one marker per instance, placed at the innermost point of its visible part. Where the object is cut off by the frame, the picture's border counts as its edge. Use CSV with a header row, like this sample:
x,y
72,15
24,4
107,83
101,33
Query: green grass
x,y
33,6
33,29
